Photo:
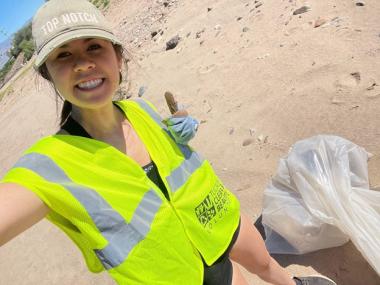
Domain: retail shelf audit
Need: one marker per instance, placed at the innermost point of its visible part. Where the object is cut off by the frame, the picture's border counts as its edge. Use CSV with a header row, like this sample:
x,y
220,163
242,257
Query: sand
x,y
249,73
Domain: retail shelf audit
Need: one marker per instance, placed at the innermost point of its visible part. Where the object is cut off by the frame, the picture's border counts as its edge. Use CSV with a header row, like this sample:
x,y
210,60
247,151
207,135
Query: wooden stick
x,y
171,102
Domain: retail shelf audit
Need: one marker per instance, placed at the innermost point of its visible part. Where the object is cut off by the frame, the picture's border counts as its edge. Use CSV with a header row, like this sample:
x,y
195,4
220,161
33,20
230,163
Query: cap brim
x,y
73,35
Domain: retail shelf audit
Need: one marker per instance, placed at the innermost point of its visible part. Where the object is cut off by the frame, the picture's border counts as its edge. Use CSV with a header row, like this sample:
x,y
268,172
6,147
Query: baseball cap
x,y
60,21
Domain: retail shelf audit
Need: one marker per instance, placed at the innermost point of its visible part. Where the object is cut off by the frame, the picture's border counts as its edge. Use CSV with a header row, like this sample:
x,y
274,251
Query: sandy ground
x,y
246,70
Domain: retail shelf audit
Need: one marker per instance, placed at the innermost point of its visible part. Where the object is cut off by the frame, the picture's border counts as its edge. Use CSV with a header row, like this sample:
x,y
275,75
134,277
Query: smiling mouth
x,y
90,84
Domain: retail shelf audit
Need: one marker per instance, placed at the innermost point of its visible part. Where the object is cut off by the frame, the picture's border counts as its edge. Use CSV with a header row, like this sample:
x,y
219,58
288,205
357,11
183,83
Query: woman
x,y
121,184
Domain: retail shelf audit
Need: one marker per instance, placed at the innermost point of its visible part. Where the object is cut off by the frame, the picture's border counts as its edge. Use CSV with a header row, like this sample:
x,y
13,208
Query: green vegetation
x,y
100,3
23,42
6,68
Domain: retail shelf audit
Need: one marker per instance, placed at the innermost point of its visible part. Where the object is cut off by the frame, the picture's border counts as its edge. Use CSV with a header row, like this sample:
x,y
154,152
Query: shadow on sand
x,y
344,264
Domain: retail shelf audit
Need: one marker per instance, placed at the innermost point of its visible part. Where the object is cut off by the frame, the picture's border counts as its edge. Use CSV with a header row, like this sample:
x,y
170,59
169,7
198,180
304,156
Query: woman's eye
x,y
63,55
94,47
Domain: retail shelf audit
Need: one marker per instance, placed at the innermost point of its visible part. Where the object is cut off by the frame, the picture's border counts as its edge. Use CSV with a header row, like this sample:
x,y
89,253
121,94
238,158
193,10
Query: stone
x,y
357,76
360,3
247,142
209,9
199,33
301,10
319,22
245,29
239,18
142,90
173,42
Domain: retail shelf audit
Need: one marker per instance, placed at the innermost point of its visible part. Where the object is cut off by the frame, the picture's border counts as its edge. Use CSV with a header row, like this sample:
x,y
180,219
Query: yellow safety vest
x,y
120,219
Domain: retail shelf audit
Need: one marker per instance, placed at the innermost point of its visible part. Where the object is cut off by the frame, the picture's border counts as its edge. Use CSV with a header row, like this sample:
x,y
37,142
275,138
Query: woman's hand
x,y
182,126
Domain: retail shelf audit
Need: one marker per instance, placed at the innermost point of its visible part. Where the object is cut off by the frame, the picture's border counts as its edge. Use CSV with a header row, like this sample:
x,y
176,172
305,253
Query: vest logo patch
x,y
213,207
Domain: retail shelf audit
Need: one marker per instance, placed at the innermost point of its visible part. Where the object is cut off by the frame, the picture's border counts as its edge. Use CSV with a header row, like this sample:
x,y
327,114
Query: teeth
x,y
90,84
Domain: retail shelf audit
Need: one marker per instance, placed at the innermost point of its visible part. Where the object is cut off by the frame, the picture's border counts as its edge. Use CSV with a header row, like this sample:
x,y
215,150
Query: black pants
x,y
220,273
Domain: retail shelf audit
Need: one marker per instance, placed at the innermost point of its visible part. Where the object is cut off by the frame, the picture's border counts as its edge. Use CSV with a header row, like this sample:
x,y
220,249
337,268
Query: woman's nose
x,y
83,64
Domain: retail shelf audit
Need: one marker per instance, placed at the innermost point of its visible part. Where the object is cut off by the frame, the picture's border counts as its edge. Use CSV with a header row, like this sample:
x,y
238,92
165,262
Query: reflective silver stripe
x,y
192,161
155,116
122,237
179,176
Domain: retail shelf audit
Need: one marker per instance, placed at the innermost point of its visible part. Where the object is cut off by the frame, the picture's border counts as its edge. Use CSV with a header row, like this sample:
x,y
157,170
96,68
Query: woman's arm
x,y
19,210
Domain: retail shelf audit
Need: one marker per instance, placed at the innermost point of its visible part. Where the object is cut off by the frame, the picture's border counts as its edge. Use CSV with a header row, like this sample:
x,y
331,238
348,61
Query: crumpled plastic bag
x,y
320,198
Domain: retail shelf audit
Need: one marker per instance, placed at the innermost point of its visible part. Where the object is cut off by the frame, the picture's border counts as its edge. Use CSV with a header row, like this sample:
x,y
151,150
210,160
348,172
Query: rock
x,y
173,42
319,22
153,34
239,18
166,4
217,27
263,139
209,9
301,10
373,96
188,34
199,33
359,3
336,101
245,29
356,75
142,90
252,132
231,131
372,86
247,142
258,5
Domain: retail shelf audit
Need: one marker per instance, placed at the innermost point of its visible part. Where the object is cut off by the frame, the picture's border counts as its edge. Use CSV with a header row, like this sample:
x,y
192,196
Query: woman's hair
x,y
67,106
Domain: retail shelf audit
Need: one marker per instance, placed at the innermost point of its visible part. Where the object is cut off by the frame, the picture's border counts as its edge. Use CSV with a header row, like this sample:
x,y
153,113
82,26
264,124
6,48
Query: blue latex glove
x,y
183,129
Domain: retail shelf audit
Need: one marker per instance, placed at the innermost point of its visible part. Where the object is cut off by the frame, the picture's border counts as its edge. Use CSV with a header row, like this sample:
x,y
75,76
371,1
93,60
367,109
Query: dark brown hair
x,y
67,106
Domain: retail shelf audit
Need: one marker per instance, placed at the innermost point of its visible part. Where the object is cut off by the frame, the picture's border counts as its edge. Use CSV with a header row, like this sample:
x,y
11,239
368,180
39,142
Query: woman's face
x,y
85,72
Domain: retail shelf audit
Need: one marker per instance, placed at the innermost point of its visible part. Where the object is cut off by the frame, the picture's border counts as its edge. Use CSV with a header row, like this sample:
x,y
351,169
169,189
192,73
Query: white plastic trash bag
x,y
320,198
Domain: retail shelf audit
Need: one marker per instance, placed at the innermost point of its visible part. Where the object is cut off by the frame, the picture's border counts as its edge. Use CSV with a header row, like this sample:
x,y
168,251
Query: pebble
x,y
336,101
301,10
373,96
262,138
372,86
142,90
360,3
258,5
209,9
217,27
199,33
319,22
247,142
245,29
239,18
356,75
173,42
231,131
